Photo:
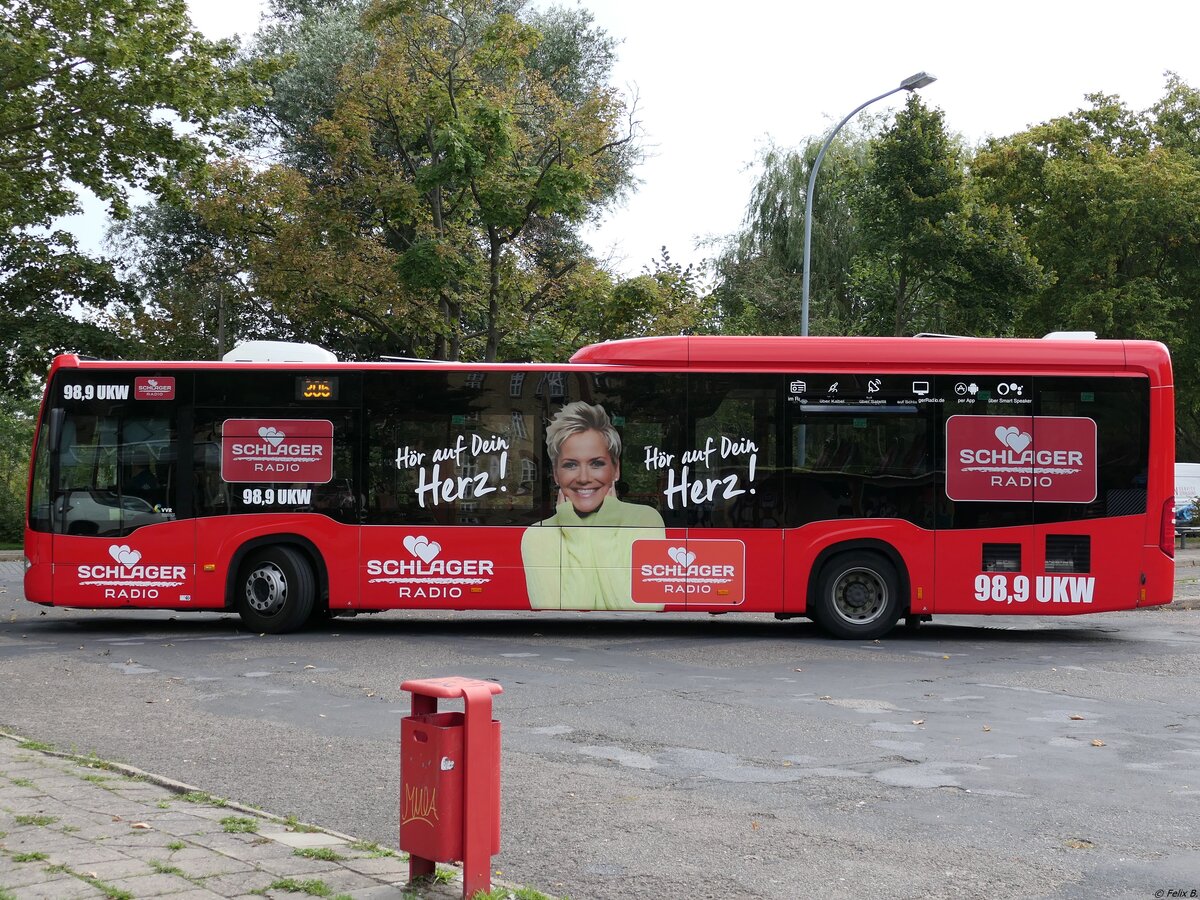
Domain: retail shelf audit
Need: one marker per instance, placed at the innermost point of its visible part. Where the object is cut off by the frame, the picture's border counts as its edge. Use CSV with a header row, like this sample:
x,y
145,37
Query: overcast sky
x,y
718,81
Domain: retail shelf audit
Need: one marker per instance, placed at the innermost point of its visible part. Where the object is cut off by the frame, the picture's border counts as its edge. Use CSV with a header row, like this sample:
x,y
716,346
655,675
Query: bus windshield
x,y
108,474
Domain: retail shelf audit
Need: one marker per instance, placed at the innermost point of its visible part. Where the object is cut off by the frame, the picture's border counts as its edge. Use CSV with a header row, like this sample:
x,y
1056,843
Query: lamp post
x,y
911,83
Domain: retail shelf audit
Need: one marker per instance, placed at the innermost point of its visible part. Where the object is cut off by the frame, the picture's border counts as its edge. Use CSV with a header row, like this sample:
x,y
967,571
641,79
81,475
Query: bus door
x,y
727,485
117,497
451,484
277,454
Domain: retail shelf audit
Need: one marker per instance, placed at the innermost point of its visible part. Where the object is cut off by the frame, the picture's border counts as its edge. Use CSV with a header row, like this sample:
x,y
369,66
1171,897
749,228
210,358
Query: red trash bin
x,y
450,780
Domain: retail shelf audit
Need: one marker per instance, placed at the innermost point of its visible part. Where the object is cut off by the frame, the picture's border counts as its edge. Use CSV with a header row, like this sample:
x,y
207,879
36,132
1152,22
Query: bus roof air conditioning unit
x,y
1070,336
279,351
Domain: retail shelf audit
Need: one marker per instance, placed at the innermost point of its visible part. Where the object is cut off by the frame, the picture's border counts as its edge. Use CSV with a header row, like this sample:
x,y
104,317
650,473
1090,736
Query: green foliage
x,y
41,277
87,90
41,746
936,259
17,416
35,820
85,84
504,893
583,305
322,853
463,139
435,163
202,797
900,242
186,291
314,887
1109,202
759,288
239,824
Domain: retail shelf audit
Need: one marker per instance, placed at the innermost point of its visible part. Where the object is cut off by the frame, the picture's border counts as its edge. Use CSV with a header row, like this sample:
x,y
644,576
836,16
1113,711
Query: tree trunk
x,y
901,300
493,336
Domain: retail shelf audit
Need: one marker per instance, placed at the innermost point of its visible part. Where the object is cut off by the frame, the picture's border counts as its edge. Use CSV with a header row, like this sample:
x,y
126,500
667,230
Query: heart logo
x,y
681,556
1013,437
1020,441
124,554
422,548
271,435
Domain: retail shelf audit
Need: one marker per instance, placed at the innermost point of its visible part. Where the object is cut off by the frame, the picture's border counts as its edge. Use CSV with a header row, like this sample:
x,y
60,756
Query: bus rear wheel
x,y
858,596
276,590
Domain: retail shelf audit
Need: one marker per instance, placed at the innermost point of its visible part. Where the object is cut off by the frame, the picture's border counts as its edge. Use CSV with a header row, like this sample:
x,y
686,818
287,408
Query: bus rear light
x,y
1166,537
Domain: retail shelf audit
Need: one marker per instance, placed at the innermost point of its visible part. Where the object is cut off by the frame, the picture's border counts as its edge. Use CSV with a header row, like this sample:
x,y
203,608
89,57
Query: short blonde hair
x,y
575,418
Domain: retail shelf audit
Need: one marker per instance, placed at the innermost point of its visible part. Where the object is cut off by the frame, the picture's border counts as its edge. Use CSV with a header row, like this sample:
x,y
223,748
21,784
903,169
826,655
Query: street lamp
x,y
911,83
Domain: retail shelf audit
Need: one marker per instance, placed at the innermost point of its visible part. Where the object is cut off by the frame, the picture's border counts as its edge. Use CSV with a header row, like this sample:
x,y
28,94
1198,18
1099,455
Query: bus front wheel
x,y
858,596
276,590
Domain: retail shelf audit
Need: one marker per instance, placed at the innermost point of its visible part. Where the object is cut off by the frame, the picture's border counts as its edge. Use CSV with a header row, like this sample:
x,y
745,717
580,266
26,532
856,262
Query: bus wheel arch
x,y
277,584
858,589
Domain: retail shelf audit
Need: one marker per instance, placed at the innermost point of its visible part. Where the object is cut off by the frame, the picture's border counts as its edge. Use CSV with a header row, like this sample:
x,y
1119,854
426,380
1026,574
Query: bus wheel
x,y
858,596
275,590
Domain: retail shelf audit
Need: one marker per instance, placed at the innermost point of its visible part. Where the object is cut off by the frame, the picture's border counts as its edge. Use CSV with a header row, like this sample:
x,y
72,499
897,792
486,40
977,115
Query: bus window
x,y
1120,408
115,474
452,448
733,420
862,462
276,410
39,488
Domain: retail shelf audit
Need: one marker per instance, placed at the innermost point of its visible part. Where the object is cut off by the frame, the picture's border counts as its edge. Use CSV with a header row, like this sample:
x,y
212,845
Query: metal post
x,y
920,80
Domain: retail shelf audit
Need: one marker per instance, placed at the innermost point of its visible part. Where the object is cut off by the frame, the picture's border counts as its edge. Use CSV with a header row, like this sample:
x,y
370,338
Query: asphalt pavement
x,y
81,827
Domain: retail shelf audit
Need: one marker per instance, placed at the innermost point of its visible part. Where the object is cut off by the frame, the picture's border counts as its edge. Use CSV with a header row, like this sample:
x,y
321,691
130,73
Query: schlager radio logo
x,y
161,387
1050,459
701,572
264,451
126,578
427,575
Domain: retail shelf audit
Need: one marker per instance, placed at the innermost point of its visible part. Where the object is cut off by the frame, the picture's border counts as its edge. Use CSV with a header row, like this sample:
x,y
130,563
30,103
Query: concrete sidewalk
x,y
73,827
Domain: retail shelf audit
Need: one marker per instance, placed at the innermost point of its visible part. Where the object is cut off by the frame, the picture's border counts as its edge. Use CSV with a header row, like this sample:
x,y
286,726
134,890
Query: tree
x,y
1109,201
935,258
187,291
429,166
458,148
86,87
759,272
665,299
306,44
18,411
900,241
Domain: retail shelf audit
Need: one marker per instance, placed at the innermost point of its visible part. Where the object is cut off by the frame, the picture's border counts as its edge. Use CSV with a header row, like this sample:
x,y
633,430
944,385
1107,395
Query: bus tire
x,y
276,590
858,596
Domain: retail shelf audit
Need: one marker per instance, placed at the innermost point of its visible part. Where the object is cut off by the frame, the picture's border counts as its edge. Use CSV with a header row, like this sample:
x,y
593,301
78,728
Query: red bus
x,y
854,481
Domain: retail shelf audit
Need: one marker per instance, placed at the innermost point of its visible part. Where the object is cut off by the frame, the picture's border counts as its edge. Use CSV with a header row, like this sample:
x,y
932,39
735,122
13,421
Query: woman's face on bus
x,y
584,471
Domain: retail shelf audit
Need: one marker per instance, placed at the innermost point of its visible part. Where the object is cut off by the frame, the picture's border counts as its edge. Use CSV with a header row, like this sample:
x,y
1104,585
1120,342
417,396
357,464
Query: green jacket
x,y
586,563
